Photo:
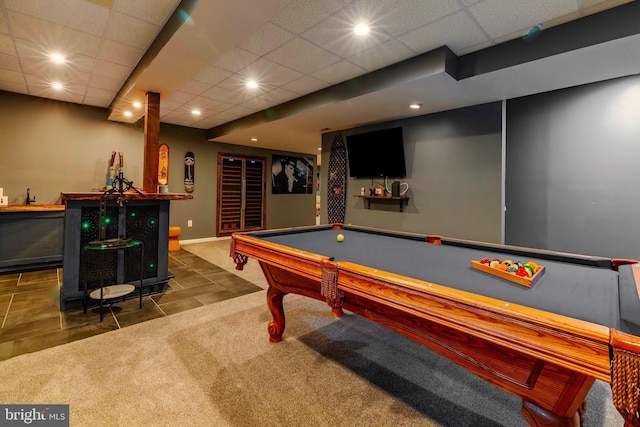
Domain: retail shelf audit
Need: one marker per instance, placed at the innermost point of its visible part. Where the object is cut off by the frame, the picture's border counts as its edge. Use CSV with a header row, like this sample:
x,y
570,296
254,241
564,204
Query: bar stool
x,y
174,234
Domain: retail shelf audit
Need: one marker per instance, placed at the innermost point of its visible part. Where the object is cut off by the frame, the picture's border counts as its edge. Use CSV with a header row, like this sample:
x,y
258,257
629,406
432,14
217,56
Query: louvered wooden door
x,y
241,193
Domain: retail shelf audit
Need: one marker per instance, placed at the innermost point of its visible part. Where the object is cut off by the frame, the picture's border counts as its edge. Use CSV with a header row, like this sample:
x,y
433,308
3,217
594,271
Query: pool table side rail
x,y
571,343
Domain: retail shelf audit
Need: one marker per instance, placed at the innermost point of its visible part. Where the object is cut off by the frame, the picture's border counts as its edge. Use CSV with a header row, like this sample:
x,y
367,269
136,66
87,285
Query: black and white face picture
x,y
292,175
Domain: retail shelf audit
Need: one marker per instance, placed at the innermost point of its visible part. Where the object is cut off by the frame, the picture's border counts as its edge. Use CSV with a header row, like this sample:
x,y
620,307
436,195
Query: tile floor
x,y
30,317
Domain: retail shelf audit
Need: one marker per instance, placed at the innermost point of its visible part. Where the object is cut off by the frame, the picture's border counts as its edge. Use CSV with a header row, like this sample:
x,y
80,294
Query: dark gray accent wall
x,y
572,169
454,172
53,147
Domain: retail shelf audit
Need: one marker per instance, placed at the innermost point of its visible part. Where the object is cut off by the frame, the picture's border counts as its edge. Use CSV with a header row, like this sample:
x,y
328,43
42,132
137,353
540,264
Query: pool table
x,y
546,343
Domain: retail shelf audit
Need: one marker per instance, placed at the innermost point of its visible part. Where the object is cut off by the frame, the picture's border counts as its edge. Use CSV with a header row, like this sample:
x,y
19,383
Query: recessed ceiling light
x,y
415,106
254,139
57,86
361,29
320,149
127,114
137,104
252,84
57,58
196,112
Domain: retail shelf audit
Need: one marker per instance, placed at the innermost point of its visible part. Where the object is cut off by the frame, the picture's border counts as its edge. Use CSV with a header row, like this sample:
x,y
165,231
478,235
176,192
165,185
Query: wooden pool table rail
x,y
550,361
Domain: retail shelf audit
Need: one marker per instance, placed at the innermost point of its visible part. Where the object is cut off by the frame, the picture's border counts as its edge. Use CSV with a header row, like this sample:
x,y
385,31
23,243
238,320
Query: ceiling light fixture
x,y
57,86
361,29
196,112
415,106
137,104
57,58
254,139
127,114
252,84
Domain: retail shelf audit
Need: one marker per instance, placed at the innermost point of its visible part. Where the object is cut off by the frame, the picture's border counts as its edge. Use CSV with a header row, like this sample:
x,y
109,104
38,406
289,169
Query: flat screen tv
x,y
376,154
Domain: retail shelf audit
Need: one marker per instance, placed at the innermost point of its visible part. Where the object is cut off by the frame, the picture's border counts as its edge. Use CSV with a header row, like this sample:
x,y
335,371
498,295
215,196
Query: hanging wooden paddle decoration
x,y
189,172
163,164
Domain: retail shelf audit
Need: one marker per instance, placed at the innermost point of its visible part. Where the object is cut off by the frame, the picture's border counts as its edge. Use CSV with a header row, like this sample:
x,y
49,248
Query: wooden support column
x,y
151,138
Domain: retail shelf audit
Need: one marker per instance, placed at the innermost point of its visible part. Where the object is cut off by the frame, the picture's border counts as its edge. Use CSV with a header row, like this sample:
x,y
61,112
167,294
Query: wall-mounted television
x,y
376,154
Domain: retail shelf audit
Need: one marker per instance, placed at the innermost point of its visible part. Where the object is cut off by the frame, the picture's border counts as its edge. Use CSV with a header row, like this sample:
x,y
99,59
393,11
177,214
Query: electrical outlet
x,y
189,223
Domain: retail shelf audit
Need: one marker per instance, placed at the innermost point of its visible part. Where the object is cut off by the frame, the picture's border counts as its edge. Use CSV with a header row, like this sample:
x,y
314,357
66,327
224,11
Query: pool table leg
x,y
276,326
539,417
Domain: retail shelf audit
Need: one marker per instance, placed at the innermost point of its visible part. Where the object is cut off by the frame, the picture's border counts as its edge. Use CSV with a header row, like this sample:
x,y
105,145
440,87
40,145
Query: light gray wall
x,y
454,172
53,147
572,169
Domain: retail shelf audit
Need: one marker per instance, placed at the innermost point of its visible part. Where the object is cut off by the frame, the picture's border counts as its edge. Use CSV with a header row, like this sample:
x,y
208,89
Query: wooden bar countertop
x,y
32,208
134,195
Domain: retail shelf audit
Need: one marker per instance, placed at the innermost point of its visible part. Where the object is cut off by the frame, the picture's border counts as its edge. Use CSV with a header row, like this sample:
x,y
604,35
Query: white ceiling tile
x,y
7,46
97,102
11,76
238,83
397,17
10,62
267,38
474,48
279,95
100,94
225,116
157,15
336,35
241,110
195,87
178,117
456,31
387,53
181,97
120,53
338,72
302,56
595,6
268,72
17,87
499,17
166,106
103,82
77,14
52,72
53,37
207,123
305,85
208,106
109,69
228,96
74,97
212,75
131,31
3,24
235,60
302,14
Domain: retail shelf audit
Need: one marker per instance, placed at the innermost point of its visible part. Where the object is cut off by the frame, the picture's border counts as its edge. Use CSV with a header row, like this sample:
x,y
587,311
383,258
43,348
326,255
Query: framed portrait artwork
x,y
292,175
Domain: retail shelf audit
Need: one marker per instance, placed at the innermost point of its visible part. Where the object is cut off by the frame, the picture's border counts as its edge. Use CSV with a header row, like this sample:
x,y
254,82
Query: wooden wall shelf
x,y
402,200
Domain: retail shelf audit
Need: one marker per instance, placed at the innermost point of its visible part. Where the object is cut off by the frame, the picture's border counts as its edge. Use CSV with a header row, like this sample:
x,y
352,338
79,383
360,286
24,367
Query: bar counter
x,y
31,237
131,195
32,208
143,217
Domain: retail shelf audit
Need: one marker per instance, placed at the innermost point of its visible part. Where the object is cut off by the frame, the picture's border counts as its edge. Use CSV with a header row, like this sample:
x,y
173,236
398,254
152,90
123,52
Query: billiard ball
x,y
340,238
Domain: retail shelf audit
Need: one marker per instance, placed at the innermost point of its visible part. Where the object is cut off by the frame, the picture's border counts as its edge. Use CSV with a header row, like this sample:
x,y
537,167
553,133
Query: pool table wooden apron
x,y
549,360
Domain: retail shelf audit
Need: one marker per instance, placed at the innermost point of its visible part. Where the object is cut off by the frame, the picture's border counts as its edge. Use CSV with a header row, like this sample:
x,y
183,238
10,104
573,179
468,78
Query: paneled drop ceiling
x,y
199,55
